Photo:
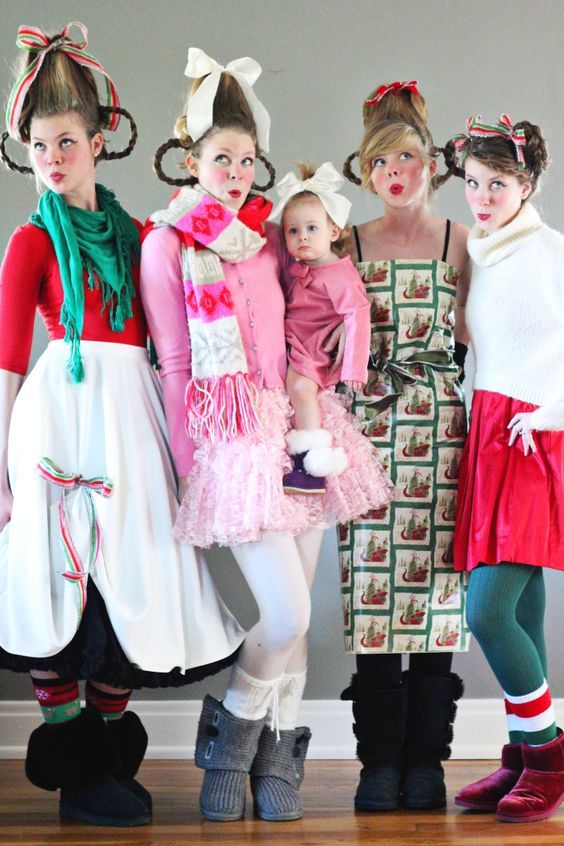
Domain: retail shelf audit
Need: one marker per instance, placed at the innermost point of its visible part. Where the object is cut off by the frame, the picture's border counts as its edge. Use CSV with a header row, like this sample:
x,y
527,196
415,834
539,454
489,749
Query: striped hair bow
x,y
33,40
476,128
392,88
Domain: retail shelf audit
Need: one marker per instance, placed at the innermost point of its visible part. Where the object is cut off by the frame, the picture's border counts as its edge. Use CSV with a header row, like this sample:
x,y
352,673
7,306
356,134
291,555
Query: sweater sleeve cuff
x,y
548,417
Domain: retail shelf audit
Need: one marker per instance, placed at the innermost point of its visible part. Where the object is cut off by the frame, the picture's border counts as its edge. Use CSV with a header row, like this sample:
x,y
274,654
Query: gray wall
x,y
320,59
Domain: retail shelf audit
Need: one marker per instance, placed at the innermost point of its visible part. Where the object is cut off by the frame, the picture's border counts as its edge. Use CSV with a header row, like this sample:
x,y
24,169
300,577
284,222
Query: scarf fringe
x,y
222,407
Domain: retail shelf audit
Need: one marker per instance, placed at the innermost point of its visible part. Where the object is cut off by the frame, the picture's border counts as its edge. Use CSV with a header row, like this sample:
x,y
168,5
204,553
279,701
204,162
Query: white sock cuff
x,y
247,697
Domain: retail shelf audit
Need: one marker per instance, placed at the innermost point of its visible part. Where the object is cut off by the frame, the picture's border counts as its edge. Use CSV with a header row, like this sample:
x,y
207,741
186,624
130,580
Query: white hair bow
x,y
325,183
199,114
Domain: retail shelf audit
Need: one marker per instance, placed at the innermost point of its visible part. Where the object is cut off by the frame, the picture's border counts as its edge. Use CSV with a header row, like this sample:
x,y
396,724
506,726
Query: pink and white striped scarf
x,y
220,396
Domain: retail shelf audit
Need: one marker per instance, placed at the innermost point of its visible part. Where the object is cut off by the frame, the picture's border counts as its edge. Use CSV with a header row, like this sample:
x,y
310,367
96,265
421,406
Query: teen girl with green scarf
x,y
92,585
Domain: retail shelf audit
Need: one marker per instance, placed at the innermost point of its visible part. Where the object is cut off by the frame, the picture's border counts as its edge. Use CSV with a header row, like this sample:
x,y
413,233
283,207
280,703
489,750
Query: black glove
x,y
460,351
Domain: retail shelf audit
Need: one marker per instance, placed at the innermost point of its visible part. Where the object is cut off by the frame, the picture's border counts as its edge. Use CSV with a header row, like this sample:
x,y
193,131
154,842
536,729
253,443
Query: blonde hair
x,y
397,120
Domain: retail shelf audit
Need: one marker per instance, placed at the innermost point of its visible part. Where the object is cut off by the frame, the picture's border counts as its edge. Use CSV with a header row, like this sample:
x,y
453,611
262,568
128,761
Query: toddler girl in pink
x,y
324,290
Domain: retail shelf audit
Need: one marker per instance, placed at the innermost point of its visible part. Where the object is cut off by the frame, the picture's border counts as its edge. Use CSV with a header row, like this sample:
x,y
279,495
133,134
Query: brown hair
x,y
306,171
62,85
498,153
230,111
398,119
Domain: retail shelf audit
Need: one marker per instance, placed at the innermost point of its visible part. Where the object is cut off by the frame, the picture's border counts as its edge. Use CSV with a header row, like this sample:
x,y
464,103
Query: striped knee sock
x,y
58,699
531,717
109,705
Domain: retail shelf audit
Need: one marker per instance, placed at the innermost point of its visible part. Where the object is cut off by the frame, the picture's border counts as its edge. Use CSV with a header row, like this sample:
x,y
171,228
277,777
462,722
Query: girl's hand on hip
x,y
520,426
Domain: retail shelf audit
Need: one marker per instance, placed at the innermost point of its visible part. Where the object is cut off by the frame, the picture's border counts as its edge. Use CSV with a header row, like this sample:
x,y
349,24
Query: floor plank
x,y
29,816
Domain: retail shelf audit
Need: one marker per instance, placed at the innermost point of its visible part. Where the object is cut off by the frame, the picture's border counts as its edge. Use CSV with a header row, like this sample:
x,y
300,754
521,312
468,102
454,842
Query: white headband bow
x,y
325,183
199,114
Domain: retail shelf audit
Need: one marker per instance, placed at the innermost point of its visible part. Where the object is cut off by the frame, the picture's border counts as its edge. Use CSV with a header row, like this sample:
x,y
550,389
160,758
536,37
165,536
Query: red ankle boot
x,y
540,790
484,795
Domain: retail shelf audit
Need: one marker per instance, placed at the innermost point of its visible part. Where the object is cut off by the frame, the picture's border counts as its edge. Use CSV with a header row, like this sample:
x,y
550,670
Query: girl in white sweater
x,y
510,521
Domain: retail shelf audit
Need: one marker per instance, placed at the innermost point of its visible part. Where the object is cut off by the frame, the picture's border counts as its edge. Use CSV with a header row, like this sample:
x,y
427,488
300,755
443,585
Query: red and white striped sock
x,y
531,715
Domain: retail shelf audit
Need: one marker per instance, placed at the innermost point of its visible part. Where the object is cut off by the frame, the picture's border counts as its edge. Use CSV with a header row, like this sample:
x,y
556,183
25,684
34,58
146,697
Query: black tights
x,y
382,672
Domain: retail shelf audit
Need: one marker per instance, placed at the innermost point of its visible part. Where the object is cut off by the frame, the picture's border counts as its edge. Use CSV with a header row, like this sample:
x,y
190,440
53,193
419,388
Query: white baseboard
x,y
479,731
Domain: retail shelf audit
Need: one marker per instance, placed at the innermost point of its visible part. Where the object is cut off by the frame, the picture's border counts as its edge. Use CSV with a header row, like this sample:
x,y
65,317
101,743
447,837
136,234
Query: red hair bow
x,y
392,88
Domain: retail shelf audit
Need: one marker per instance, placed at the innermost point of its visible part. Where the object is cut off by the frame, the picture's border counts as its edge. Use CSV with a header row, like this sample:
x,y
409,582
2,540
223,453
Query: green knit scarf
x,y
104,242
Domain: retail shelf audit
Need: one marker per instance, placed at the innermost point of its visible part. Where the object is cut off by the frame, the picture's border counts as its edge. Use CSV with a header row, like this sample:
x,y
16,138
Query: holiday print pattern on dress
x,y
399,589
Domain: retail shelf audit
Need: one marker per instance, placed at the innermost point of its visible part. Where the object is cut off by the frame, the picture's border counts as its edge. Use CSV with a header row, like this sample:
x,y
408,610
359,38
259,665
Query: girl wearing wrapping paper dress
x,y
510,521
399,590
210,277
92,584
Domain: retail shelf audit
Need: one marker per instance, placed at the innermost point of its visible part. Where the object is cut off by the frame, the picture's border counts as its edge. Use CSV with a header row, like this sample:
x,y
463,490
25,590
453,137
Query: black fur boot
x,y
130,737
380,727
80,757
432,710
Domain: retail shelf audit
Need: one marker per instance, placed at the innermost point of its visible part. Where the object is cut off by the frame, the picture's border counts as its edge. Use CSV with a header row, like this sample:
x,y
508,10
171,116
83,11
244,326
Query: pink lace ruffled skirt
x,y
235,488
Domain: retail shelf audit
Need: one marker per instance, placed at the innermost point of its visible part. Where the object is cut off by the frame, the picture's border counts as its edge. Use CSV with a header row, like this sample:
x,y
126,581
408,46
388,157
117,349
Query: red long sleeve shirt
x,y
30,280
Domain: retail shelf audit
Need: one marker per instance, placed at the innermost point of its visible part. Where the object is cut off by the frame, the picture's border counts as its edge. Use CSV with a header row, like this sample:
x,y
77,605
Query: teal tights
x,y
505,609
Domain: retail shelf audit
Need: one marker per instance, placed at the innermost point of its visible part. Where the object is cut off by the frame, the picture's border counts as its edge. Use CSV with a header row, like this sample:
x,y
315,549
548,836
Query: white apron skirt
x,y
160,598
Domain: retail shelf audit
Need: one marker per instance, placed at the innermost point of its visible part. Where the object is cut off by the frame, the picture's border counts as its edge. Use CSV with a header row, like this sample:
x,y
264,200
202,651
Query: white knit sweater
x,y
515,314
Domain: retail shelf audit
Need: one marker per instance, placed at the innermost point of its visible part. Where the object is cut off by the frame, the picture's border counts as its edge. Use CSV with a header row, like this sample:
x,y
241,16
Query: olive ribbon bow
x,y
400,375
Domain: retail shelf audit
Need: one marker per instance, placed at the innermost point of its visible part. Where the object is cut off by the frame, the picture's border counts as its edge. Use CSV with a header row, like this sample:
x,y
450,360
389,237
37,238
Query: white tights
x,y
270,672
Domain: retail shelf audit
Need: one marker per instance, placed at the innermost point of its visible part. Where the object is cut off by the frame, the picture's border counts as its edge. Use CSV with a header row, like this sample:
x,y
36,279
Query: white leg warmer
x,y
249,698
290,694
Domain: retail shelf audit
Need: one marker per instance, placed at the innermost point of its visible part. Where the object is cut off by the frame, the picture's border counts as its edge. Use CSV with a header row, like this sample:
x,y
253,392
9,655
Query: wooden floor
x,y
29,816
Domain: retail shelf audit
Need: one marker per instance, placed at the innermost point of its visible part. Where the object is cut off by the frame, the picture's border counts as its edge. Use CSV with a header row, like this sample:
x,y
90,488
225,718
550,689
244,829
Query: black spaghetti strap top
x,y
445,245
357,242
447,239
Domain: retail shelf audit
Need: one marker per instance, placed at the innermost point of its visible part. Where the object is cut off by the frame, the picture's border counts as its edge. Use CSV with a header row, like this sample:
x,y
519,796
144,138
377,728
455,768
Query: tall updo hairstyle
x,y
230,111
499,153
62,85
393,120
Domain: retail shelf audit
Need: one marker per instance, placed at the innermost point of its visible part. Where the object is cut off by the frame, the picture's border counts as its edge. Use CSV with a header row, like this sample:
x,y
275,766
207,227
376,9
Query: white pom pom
x,y
300,440
340,461
319,462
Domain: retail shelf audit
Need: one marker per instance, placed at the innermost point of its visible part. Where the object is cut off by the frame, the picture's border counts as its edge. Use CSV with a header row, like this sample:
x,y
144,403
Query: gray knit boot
x,y
277,773
225,748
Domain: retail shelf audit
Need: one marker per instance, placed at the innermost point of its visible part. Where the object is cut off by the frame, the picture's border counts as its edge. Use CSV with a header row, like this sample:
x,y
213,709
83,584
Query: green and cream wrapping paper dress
x,y
399,589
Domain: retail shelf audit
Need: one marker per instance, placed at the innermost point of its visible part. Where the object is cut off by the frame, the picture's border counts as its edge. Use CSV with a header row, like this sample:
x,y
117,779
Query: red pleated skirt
x,y
510,505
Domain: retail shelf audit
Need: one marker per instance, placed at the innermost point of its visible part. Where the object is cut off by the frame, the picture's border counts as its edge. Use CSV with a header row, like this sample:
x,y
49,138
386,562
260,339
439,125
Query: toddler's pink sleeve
x,y
162,294
349,299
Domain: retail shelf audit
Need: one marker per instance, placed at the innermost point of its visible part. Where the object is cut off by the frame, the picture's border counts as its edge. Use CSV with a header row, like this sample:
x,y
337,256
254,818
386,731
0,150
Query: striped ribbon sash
x,y
76,571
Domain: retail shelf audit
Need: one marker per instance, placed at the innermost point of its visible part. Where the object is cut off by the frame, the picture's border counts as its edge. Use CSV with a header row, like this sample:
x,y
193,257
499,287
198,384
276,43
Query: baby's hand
x,y
354,386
